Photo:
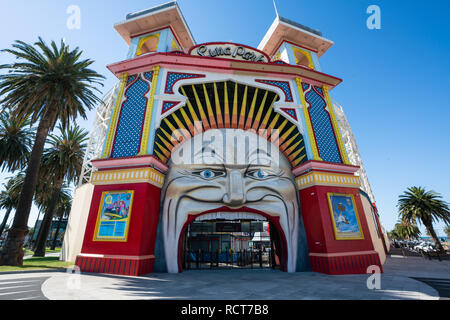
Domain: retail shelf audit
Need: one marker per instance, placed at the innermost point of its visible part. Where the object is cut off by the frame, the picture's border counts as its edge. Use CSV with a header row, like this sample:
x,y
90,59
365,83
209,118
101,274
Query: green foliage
x,y
16,139
417,205
447,230
63,158
47,77
403,230
38,264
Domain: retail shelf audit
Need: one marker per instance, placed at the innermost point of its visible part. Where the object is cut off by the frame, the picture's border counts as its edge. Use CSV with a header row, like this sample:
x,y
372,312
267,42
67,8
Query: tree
x,y
47,84
62,160
447,231
404,230
44,196
419,205
16,137
10,197
63,210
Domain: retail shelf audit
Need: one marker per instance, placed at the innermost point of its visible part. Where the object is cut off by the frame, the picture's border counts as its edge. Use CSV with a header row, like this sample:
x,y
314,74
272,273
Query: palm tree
x,y
16,138
45,194
63,210
447,231
48,84
10,197
62,160
405,230
426,207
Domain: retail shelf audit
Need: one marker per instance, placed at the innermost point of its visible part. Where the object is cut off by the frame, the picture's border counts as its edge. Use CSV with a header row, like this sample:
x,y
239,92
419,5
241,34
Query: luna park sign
x,y
229,51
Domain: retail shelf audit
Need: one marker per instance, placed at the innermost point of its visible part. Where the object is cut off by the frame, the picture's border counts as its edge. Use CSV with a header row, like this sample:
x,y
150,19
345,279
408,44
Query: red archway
x,y
273,220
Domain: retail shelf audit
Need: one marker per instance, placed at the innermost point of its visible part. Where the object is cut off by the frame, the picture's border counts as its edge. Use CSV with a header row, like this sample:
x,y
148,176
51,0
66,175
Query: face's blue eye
x,y
207,174
259,174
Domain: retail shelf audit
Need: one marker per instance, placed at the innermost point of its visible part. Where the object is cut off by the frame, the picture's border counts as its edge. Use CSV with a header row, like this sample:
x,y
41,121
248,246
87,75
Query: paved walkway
x,y
22,288
396,283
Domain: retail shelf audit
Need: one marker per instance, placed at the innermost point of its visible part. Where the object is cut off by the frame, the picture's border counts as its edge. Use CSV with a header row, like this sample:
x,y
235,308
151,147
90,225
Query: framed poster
x,y
114,216
344,216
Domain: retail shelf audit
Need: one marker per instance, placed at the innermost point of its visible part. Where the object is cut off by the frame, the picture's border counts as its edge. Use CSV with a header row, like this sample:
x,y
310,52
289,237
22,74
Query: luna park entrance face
x,y
231,244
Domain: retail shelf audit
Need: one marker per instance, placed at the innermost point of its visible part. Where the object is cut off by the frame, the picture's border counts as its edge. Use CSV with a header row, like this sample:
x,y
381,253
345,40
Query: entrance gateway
x,y
219,155
242,242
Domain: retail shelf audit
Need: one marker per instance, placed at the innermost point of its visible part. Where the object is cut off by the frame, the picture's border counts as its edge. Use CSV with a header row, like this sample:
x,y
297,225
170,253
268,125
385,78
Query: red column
x,y
328,254
135,256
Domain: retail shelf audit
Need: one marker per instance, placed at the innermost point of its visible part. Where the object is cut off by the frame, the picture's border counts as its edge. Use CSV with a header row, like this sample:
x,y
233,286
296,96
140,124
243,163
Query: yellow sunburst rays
x,y
218,108
169,142
243,110
275,137
293,151
293,158
259,114
249,121
235,107
286,144
200,109
226,107
271,126
196,127
211,117
266,118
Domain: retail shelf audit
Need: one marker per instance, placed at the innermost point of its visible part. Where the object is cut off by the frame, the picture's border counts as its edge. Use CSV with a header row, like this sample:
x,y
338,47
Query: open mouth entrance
x,y
232,240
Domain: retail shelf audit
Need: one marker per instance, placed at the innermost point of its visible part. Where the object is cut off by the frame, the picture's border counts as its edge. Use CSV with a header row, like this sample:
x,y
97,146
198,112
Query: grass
x,y
47,263
47,250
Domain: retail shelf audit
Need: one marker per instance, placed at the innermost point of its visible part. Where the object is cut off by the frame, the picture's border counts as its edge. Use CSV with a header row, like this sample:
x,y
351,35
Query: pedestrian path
x,y
441,285
53,254
22,288
408,278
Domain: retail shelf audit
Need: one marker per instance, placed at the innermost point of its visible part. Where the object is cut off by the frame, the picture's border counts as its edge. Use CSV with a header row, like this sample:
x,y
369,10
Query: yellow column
x,y
115,117
312,140
149,112
335,125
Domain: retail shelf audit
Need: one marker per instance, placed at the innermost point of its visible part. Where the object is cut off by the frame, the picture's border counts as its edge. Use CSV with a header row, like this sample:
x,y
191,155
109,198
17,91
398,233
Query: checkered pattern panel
x,y
168,105
173,77
131,79
305,86
323,129
128,134
148,75
283,85
290,112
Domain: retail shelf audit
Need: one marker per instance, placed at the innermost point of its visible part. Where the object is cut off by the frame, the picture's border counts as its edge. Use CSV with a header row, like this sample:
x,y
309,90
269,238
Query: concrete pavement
x,y
396,283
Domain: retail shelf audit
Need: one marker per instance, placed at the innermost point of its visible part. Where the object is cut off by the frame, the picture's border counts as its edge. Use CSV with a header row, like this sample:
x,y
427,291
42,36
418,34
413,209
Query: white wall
x,y
377,241
74,235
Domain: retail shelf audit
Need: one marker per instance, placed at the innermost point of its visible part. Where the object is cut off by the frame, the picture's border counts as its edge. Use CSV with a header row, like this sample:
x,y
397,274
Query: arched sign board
x,y
229,50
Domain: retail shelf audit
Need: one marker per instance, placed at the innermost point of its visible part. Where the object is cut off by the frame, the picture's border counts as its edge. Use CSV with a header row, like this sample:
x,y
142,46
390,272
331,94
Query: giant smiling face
x,y
233,169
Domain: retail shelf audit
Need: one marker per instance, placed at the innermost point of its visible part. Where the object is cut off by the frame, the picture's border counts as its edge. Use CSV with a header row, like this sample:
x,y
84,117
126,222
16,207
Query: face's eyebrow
x,y
260,155
209,152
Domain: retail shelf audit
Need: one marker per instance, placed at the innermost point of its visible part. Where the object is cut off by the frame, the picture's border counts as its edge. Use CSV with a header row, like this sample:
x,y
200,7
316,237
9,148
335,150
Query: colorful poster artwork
x,y
345,217
114,216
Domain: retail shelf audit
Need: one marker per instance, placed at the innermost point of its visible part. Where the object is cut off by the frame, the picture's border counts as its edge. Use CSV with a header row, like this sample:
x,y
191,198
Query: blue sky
x,y
395,92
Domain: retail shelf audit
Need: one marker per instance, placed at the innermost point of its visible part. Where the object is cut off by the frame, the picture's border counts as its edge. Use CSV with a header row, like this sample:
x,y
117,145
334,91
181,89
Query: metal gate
x,y
242,259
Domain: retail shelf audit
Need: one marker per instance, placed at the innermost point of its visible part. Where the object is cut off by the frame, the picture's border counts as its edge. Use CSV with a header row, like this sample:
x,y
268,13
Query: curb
x,y
35,271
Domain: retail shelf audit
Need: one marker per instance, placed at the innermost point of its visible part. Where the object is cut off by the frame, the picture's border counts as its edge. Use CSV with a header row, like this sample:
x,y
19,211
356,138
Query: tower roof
x,y
165,15
283,29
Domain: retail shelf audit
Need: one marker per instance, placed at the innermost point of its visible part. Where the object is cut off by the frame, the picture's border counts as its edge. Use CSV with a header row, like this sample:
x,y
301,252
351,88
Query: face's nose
x,y
235,189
